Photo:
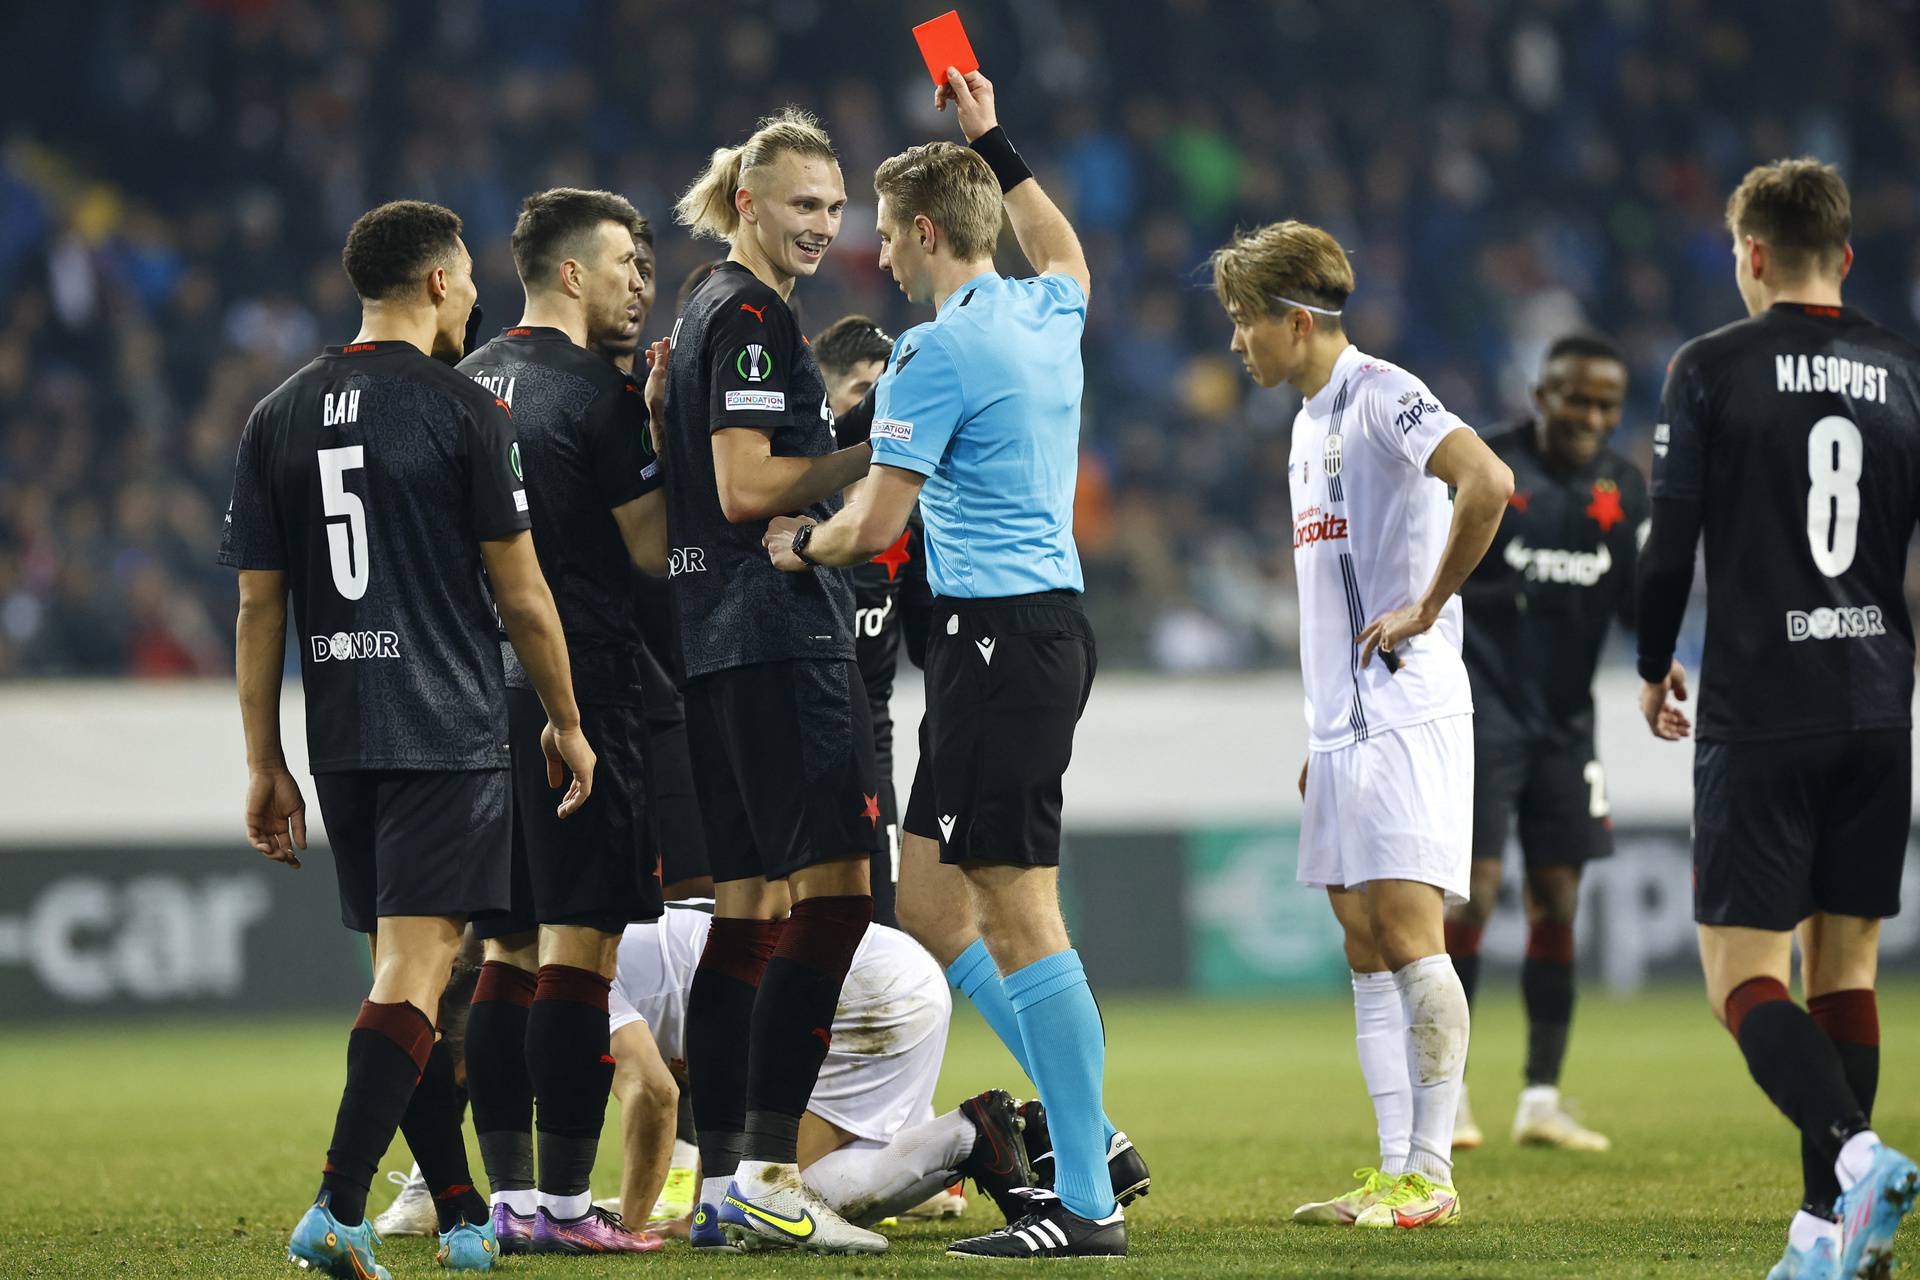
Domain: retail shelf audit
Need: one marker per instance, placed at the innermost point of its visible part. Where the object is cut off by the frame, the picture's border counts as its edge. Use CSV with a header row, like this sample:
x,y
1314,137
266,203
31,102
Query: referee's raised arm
x,y
1044,233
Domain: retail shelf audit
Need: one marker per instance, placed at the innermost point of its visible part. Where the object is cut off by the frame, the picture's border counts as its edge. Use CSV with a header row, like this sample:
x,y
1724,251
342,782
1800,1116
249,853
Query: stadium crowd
x,y
172,203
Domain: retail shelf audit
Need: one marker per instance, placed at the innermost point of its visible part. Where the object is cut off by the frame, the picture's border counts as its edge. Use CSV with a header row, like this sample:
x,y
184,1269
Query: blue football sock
x,y
974,976
1067,1043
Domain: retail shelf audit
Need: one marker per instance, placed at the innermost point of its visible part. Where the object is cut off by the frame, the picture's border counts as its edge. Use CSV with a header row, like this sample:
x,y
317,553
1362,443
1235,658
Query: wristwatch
x,y
801,537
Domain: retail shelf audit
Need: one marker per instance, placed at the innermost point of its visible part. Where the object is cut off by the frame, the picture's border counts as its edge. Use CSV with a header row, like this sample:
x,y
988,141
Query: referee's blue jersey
x,y
984,401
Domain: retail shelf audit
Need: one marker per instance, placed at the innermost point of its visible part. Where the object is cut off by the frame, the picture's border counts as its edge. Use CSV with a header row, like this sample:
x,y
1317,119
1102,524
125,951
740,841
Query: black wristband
x,y
993,147
801,537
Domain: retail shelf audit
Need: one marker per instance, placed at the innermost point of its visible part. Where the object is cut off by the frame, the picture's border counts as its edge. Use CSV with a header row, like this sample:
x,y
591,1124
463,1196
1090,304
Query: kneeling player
x,y
869,1144
1389,780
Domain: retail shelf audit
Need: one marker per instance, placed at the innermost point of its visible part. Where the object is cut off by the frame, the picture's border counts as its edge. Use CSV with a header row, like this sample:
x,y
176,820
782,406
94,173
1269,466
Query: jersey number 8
x,y
348,535
1834,457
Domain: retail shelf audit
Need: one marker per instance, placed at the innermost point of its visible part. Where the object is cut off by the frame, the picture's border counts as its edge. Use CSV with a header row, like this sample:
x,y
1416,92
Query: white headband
x,y
1304,306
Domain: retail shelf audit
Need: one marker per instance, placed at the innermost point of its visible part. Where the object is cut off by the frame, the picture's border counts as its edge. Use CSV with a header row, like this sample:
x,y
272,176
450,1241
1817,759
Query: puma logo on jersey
x,y
759,313
946,826
986,649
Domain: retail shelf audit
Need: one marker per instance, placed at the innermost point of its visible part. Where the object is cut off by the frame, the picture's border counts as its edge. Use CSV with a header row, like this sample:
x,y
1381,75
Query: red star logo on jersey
x,y
1605,507
1520,499
895,556
872,812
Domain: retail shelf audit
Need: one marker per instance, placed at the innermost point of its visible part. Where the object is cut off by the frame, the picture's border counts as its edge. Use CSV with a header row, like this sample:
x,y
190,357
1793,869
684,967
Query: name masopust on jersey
x,y
1550,564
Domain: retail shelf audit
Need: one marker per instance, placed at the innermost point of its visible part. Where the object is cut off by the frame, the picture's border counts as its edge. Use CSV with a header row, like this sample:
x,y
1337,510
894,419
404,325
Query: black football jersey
x,y
1539,604
584,446
1798,433
371,477
890,600
739,361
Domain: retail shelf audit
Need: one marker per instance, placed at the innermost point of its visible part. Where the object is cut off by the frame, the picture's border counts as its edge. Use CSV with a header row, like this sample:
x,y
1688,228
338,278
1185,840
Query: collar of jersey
x,y
955,298
381,347
534,333
1818,310
1337,375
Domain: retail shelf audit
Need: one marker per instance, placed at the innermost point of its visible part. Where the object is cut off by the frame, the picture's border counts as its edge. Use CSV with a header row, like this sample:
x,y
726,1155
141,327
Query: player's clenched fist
x,y
972,96
779,543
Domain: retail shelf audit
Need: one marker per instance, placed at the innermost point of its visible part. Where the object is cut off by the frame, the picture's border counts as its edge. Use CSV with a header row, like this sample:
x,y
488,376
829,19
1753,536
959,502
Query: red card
x,y
943,43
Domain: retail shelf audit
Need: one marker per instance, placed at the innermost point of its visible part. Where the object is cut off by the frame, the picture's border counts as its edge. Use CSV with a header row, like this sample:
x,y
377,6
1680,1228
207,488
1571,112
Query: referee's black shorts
x,y
1007,679
1786,827
596,868
783,766
417,842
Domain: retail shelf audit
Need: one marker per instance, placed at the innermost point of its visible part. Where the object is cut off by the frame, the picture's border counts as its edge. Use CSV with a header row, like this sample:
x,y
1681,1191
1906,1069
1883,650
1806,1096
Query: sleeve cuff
x,y
1654,670
904,461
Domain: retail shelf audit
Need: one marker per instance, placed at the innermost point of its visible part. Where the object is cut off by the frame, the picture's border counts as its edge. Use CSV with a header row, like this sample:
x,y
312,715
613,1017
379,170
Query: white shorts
x,y
884,1059
1396,806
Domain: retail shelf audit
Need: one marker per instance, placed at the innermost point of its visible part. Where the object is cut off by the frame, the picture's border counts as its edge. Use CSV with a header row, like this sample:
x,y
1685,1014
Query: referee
x,y
978,419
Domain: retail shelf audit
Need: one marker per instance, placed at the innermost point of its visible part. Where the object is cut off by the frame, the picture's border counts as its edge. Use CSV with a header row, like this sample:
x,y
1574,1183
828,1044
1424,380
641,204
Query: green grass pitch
x,y
189,1150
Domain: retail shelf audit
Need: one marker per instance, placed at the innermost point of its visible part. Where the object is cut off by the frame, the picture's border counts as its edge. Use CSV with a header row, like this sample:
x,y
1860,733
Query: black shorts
x,y
418,842
1007,680
1791,826
673,809
598,867
1557,790
783,767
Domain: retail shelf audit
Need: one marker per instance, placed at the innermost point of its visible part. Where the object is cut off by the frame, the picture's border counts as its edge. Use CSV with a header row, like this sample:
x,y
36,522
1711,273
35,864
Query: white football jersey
x,y
891,978
1369,527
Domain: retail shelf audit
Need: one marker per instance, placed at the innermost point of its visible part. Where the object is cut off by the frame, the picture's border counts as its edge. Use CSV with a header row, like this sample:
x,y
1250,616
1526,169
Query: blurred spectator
x,y
172,204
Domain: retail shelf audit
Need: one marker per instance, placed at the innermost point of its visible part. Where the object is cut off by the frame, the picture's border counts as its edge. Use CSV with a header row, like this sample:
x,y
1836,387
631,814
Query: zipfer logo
x,y
1845,623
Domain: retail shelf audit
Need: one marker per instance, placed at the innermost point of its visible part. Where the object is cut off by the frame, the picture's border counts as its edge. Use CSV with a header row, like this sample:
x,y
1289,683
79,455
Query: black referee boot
x,y
1125,1164
998,1162
1049,1230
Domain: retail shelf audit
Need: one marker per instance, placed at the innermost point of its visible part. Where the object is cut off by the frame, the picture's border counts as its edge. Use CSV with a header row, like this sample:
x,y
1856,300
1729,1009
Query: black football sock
x,y
1794,1062
719,1021
497,1078
793,1019
1851,1019
1546,987
572,1071
431,1126
386,1052
880,873
1463,944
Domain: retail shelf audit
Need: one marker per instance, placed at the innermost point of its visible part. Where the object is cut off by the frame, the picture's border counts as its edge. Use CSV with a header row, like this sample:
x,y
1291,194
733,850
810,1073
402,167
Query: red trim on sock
x,y
1463,939
1551,942
459,1189
401,1023
1748,996
575,986
823,933
740,949
1848,1017
505,982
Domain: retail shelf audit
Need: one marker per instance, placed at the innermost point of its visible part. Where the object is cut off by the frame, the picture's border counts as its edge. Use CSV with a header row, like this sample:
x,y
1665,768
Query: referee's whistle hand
x,y
567,752
1665,719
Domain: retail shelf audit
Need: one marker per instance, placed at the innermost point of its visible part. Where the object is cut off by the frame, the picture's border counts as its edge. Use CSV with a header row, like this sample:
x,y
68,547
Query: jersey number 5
x,y
347,536
1834,456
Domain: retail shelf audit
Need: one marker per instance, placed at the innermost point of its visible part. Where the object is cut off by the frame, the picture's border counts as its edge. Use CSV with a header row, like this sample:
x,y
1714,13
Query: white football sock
x,y
1436,1054
866,1181
714,1190
1806,1230
566,1208
1380,1036
522,1202
1856,1157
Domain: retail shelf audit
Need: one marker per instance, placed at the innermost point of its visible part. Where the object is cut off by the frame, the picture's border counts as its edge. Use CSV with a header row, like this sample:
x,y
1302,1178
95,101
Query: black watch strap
x,y
801,537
